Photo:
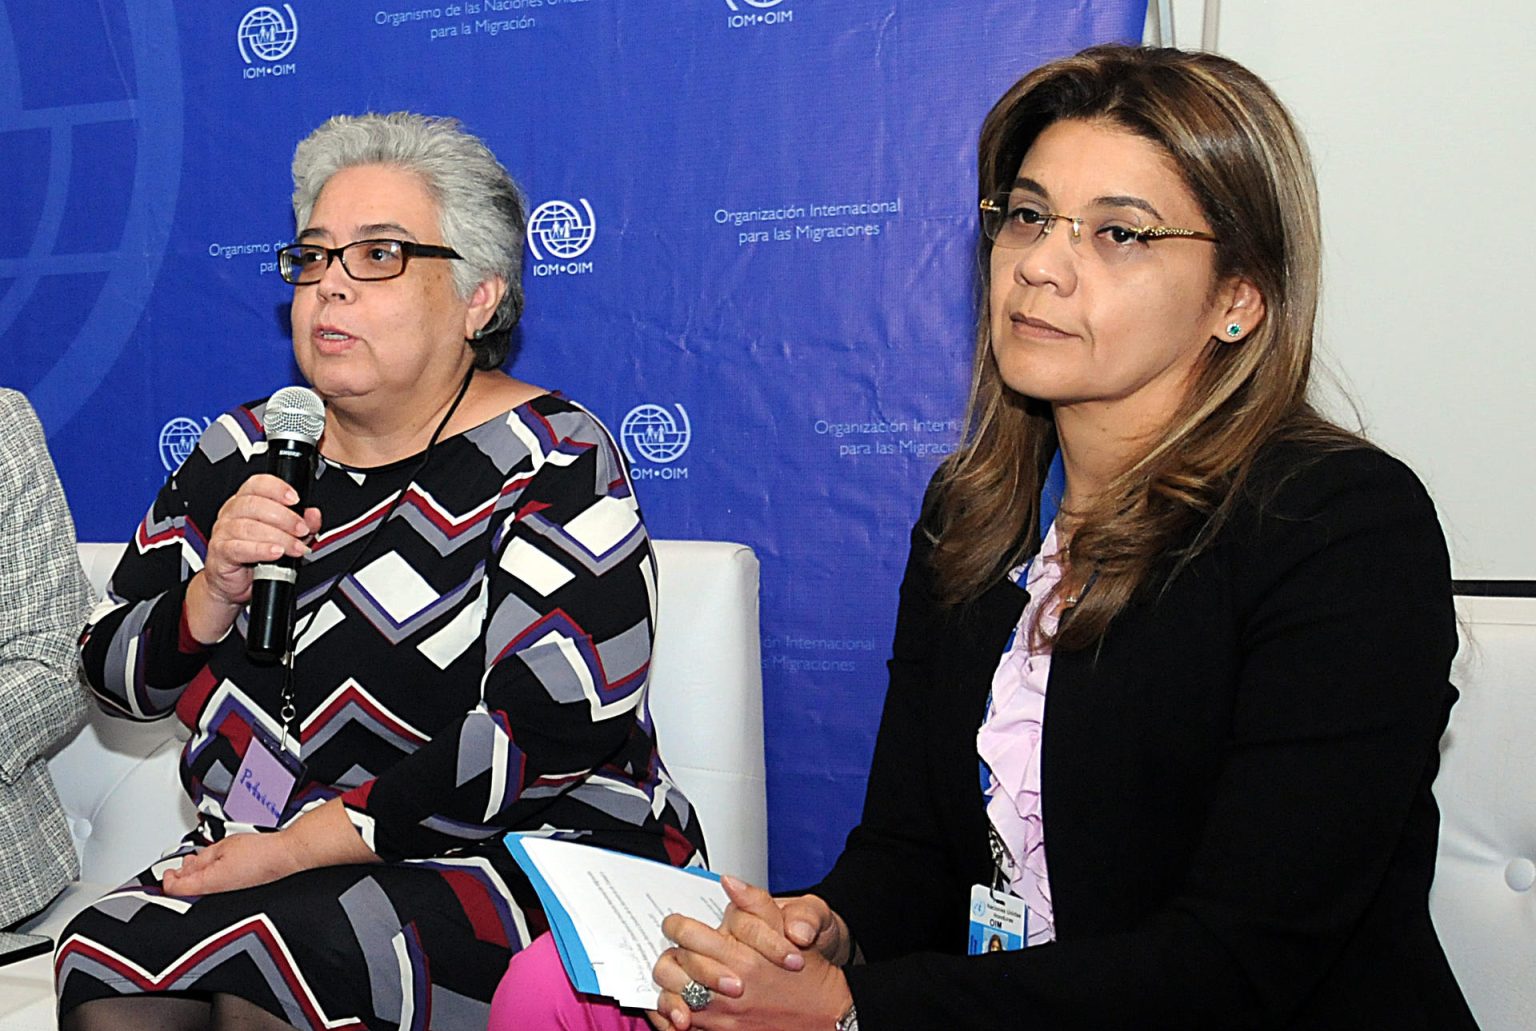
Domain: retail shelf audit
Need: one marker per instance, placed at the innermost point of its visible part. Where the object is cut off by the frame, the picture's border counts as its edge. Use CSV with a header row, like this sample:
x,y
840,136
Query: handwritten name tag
x,y
262,787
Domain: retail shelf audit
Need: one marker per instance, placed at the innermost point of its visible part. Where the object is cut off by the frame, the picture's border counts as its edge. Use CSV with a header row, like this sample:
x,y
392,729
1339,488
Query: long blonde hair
x,y
1244,162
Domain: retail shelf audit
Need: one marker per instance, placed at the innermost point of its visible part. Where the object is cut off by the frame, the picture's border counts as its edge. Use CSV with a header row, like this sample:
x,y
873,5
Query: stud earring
x,y
1234,329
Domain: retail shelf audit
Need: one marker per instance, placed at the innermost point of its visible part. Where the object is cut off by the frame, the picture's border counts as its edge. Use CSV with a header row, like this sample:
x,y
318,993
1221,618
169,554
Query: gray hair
x,y
481,211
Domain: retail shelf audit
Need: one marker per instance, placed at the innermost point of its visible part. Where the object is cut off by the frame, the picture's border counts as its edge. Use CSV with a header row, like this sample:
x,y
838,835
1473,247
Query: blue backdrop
x,y
751,254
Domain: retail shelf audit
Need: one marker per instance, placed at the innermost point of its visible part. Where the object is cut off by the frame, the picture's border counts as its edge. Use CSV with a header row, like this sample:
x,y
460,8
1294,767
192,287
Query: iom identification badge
x,y
264,783
999,921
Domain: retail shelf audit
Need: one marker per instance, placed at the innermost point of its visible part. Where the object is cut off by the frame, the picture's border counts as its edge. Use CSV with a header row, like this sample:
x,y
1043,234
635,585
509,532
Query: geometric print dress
x,y
479,667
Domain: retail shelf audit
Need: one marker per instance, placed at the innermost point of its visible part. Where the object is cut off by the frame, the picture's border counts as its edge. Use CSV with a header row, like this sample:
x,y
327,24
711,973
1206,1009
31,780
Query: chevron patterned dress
x,y
479,666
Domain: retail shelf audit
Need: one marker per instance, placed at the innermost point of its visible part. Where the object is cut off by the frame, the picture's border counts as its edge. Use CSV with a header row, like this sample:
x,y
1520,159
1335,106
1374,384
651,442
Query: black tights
x,y
171,1013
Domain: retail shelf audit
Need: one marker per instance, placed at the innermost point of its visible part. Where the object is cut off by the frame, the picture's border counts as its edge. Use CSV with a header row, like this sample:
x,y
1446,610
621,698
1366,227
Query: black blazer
x,y
1235,784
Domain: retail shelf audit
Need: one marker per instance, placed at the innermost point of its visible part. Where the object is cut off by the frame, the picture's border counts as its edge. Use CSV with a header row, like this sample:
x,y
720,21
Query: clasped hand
x,y
772,964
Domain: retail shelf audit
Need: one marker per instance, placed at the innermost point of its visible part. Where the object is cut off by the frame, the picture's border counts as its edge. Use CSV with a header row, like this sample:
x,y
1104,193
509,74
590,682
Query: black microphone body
x,y
291,455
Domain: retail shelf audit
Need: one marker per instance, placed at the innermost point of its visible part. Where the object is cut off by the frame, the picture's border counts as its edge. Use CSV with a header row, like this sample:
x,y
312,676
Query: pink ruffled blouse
x,y
1009,744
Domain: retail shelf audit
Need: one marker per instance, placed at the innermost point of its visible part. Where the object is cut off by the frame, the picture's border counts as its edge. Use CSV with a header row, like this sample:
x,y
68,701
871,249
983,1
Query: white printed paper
x,y
605,910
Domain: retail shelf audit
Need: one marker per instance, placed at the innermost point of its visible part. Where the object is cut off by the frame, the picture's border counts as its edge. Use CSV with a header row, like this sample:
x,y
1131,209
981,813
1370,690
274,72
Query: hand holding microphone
x,y
260,533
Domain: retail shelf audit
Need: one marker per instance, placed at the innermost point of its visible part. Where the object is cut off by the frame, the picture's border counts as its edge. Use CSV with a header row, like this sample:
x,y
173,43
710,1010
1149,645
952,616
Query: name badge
x,y
263,784
999,921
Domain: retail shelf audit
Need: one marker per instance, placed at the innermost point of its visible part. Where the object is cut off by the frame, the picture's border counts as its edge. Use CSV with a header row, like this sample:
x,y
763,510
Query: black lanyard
x,y
288,711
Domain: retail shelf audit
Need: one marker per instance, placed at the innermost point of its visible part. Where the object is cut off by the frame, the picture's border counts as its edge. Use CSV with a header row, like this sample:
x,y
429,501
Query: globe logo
x,y
128,180
178,439
760,4
265,33
651,432
564,231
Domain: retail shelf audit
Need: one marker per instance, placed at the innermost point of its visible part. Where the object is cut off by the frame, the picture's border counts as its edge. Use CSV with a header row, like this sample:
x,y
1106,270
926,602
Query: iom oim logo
x,y
653,433
559,232
178,439
746,14
267,35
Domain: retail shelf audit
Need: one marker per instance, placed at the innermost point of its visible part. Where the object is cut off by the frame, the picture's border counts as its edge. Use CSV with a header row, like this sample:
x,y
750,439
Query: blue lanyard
x,y
1051,494
1050,503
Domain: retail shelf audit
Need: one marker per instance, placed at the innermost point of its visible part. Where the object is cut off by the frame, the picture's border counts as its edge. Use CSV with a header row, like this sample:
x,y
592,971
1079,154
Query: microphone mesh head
x,y
295,413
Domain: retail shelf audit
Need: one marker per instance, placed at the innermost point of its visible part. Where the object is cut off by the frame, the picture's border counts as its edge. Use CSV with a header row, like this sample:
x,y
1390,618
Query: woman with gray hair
x,y
474,590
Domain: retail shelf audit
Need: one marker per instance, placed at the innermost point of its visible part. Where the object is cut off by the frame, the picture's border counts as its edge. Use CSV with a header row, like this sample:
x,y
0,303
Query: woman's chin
x,y
1039,384
338,388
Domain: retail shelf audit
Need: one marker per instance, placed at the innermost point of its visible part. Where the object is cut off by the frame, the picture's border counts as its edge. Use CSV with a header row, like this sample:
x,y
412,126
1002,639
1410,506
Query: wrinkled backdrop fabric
x,y
752,255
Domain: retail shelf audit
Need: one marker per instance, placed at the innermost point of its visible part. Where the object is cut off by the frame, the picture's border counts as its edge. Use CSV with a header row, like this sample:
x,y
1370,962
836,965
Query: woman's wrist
x,y
847,1014
207,615
848,953
325,836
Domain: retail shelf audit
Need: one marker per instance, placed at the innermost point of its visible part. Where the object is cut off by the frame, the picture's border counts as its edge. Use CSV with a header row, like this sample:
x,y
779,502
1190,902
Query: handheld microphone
x,y
294,419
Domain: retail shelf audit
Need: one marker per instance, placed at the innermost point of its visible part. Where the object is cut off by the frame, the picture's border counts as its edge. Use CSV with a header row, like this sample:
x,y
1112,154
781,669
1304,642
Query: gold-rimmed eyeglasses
x,y
1013,223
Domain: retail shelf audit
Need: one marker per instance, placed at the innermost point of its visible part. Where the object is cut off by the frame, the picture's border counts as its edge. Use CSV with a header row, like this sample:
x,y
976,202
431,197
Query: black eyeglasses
x,y
366,260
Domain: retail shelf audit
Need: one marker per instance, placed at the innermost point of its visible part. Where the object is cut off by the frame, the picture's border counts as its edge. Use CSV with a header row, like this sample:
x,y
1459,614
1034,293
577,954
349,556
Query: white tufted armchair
x,y
118,779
